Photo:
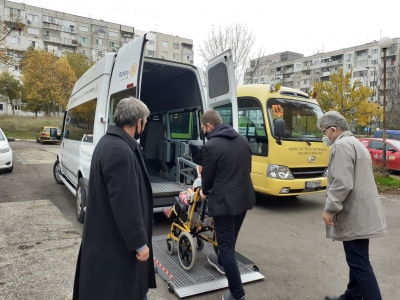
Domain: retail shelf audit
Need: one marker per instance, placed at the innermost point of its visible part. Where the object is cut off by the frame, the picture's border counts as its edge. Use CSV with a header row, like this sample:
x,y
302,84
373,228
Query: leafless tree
x,y
10,26
236,37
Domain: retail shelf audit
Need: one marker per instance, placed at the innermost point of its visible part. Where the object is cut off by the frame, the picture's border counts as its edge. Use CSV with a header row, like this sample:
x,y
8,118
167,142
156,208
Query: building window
x,y
151,43
114,44
49,19
361,63
164,44
374,51
112,33
83,28
348,66
83,40
298,66
33,31
1,106
176,46
188,57
99,42
84,52
14,12
15,40
33,18
150,53
52,49
99,29
392,61
164,54
33,44
348,56
176,56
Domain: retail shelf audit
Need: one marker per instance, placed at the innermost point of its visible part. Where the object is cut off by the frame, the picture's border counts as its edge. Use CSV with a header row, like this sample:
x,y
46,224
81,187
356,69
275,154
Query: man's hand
x,y
328,219
202,195
144,254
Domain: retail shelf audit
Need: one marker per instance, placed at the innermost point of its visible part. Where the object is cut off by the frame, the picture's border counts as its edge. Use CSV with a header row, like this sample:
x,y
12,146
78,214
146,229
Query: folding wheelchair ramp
x,y
203,277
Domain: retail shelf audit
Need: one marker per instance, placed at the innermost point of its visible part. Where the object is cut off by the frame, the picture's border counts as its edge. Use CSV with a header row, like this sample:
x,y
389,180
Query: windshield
x,y
394,143
300,118
2,138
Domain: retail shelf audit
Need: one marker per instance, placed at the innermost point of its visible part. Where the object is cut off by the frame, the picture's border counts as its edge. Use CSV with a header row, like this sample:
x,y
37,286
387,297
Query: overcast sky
x,y
306,26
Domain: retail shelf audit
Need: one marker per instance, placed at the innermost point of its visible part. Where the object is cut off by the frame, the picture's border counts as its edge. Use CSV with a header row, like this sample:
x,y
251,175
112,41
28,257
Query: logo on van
x,y
311,159
133,70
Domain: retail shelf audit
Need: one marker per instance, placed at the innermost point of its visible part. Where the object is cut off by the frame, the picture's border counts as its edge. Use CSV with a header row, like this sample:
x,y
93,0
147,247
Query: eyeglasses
x,y
323,131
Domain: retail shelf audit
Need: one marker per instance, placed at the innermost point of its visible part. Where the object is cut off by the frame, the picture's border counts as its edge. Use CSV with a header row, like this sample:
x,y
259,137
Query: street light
x,y
373,86
384,43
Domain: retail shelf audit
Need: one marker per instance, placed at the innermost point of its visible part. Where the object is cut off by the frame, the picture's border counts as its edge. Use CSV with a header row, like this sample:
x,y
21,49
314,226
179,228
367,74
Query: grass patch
x,y
21,127
387,184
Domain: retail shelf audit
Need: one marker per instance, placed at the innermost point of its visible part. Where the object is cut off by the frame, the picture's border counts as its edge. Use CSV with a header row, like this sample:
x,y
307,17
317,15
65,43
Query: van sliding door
x,y
221,86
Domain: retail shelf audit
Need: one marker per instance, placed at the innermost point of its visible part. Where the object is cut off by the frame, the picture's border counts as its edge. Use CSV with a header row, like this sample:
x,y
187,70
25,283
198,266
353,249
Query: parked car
x,y
390,134
375,148
6,154
44,135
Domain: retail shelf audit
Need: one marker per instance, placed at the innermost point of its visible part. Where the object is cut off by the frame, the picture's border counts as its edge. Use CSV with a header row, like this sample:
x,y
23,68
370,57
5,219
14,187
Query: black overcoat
x,y
226,172
118,220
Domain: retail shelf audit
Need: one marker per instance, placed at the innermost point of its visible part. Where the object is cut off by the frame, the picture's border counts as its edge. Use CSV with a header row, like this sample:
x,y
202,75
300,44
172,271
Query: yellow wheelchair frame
x,y
183,231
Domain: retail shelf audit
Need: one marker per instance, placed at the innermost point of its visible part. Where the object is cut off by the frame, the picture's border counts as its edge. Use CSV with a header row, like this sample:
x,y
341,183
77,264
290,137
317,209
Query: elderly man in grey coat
x,y
353,210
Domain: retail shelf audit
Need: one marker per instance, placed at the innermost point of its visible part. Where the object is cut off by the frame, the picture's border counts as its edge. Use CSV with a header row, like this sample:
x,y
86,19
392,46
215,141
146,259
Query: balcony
x,y
100,47
303,77
52,39
325,74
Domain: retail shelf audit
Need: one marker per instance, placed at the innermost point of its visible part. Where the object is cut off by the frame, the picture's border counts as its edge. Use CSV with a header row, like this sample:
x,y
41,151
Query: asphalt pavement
x,y
285,237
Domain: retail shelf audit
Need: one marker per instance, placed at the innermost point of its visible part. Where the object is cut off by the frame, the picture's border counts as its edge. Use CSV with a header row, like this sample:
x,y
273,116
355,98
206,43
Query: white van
x,y
174,94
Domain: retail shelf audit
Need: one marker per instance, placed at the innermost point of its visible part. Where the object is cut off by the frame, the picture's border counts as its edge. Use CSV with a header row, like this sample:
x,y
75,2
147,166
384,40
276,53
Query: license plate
x,y
313,184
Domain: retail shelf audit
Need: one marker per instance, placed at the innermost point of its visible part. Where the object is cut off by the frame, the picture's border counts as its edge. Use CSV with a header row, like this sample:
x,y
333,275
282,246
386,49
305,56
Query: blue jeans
x,y
227,230
145,297
362,282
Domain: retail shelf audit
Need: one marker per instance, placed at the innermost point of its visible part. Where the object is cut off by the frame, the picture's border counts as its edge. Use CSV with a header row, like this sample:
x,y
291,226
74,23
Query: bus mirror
x,y
279,127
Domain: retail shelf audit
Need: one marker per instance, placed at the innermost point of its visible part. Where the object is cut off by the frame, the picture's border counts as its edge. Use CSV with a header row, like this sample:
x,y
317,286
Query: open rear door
x,y
221,85
127,71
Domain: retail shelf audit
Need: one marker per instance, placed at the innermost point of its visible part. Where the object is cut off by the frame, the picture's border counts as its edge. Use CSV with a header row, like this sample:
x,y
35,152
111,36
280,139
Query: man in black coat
x,y
115,260
226,168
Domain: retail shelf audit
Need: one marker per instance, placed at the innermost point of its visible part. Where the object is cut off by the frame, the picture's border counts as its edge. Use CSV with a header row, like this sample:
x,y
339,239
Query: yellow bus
x,y
288,155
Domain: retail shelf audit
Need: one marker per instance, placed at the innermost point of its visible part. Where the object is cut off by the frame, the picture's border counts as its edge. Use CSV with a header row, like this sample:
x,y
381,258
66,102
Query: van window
x,y
79,121
183,125
394,137
114,100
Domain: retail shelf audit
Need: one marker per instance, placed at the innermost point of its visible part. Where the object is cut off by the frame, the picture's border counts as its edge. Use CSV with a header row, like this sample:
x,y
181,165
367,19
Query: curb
x,y
25,140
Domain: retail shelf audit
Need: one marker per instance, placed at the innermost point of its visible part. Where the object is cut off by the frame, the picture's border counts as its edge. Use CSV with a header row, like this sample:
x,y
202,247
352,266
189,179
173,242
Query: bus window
x,y
300,117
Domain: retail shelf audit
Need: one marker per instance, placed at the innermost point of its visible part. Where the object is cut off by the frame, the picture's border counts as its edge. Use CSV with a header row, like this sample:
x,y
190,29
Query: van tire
x,y
56,172
80,200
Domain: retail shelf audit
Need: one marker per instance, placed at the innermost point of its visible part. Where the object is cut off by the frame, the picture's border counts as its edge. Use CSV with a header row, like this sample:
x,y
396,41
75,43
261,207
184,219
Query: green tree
x,y
10,87
78,62
351,100
48,81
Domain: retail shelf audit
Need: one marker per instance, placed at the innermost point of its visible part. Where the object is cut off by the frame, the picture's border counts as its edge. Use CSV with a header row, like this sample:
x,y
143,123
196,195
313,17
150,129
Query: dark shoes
x,y
228,296
341,297
213,260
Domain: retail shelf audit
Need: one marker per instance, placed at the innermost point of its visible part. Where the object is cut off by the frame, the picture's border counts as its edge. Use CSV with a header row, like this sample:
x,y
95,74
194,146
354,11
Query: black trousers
x,y
362,282
227,230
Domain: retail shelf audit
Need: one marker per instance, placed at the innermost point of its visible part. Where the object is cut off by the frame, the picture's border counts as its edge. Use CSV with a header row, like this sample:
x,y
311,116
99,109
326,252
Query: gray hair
x,y
129,111
333,118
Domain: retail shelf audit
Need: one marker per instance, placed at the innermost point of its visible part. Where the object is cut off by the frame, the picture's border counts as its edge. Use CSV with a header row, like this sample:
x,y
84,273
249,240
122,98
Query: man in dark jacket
x,y
115,259
227,184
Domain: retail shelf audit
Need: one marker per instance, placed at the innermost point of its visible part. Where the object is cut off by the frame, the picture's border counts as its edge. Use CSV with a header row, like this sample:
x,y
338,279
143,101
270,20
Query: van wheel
x,y
9,170
57,172
41,141
80,200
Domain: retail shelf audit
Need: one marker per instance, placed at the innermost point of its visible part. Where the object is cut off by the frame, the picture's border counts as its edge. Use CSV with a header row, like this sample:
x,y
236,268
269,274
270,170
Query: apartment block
x,y
60,32
293,70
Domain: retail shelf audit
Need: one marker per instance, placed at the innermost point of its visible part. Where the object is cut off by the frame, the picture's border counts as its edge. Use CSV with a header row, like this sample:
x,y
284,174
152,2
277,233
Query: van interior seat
x,y
152,137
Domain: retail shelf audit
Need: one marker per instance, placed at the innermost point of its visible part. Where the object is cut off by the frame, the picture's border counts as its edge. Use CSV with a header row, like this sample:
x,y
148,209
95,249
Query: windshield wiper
x,y
296,139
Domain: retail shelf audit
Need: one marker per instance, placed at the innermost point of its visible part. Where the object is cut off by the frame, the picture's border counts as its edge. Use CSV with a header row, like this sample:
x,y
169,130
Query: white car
x,y
6,154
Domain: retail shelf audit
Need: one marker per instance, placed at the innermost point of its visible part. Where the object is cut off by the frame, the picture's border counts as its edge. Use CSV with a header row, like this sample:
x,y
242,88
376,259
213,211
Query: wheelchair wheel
x,y
187,251
170,246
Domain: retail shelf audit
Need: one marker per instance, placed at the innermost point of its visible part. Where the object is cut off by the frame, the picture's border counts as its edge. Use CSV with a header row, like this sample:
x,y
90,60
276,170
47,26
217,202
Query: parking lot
x,y
285,237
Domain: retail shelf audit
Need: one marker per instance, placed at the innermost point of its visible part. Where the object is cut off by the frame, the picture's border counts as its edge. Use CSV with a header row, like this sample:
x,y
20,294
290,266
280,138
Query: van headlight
x,y
279,172
325,173
5,149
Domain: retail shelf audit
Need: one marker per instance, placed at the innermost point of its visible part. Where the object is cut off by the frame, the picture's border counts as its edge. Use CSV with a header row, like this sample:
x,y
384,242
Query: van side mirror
x,y
279,130
11,139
